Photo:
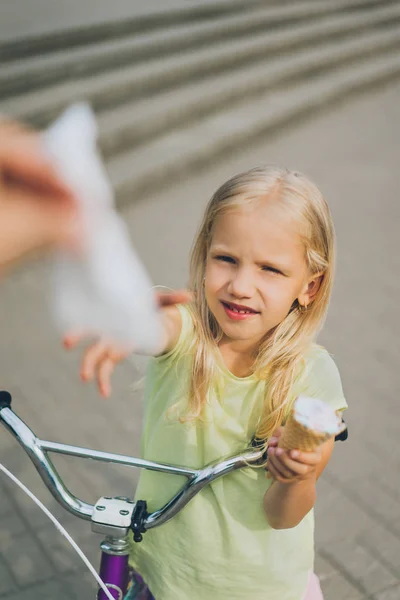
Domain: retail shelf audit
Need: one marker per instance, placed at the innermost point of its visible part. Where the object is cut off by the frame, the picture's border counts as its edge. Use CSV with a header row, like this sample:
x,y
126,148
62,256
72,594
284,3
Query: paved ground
x,y
352,152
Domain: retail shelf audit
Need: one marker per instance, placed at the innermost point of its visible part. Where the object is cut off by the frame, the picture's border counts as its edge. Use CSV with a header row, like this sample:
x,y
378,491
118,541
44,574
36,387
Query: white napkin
x,y
104,290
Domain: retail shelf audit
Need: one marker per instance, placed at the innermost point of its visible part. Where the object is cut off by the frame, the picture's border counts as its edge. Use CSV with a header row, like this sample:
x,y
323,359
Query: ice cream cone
x,y
296,436
298,432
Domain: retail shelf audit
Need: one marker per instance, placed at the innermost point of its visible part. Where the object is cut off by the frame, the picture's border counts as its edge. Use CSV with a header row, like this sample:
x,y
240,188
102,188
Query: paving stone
x,y
81,585
11,525
323,567
63,555
26,560
6,500
368,492
7,581
392,593
335,586
338,517
24,505
361,565
383,544
46,591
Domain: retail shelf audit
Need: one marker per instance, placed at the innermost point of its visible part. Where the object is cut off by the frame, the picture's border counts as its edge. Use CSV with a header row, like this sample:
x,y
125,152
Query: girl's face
x,y
255,270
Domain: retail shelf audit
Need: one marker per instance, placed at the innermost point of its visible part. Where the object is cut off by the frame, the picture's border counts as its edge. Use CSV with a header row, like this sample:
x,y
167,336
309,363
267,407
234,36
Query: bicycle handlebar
x,y
38,450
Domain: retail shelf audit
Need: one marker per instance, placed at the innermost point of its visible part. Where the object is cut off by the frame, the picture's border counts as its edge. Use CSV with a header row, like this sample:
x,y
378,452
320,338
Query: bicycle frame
x,y
114,517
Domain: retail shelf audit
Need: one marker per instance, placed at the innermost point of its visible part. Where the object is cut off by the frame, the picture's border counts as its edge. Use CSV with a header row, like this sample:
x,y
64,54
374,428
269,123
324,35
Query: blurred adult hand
x,y
37,211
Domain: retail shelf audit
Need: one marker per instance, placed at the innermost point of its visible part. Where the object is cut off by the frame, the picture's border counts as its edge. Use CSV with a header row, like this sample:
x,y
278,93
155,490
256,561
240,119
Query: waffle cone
x,y
296,436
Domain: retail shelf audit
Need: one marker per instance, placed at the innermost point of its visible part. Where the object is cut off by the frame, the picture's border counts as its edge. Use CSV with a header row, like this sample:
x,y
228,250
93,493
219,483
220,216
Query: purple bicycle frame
x,y
114,573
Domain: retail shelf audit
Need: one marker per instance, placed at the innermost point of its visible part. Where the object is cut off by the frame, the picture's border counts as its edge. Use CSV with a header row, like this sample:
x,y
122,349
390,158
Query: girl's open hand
x,y
290,466
99,361
101,357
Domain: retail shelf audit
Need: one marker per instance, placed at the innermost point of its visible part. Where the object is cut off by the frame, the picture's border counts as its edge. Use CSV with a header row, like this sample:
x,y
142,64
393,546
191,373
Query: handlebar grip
x,y
342,437
5,399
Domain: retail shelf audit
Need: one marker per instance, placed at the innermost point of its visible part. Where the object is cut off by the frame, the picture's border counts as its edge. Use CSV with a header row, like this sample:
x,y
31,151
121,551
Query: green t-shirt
x,y
220,546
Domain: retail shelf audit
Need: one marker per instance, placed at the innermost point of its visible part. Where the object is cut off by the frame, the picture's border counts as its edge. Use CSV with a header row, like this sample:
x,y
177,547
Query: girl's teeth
x,y
241,312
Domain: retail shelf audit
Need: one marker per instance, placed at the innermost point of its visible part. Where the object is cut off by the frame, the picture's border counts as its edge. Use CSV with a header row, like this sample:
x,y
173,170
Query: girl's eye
x,y
271,270
227,259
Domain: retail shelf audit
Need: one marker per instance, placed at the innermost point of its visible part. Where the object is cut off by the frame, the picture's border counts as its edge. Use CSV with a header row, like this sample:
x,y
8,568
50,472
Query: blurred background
x,y
188,93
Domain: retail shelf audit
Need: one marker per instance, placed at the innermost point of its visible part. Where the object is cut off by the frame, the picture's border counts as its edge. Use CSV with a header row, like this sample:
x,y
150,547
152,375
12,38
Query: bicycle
x,y
116,517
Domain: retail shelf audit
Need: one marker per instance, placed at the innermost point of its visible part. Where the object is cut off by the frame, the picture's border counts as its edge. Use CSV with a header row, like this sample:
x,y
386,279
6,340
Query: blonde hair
x,y
280,355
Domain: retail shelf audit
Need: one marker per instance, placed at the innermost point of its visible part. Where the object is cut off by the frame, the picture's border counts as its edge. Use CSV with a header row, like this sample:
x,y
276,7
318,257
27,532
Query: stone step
x,y
139,20
139,122
165,159
128,83
37,71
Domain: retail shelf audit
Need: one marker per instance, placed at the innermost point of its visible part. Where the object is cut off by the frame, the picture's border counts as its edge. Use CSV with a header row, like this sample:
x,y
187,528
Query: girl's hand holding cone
x,y
301,449
290,466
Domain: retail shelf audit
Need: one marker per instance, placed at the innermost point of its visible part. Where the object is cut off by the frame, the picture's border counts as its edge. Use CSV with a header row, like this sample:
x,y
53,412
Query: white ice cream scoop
x,y
316,415
104,290
310,423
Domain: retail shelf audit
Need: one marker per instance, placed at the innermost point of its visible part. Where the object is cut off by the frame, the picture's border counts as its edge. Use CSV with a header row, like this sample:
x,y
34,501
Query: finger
x,y
118,354
27,224
295,467
92,359
104,373
276,474
71,340
280,467
24,160
307,458
273,442
177,297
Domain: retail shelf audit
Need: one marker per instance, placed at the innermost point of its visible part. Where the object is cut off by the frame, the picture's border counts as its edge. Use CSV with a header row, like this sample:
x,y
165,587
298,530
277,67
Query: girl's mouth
x,y
237,312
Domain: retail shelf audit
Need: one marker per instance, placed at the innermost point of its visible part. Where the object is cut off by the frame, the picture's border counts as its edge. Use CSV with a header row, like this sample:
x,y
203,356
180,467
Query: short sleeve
x,y
321,379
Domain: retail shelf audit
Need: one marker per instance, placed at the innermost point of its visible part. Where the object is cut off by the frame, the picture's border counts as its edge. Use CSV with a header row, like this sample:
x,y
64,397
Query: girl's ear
x,y
310,290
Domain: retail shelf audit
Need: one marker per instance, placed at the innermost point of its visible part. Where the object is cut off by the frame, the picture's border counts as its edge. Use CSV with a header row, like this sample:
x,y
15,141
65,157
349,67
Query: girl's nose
x,y
241,284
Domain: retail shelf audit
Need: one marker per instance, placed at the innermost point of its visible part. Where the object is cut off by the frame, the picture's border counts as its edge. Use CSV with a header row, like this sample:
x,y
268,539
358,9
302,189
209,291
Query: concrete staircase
x,y
177,89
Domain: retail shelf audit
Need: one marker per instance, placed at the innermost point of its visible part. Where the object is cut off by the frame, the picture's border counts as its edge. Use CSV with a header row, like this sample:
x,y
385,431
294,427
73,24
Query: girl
x,y
232,364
